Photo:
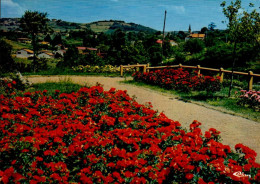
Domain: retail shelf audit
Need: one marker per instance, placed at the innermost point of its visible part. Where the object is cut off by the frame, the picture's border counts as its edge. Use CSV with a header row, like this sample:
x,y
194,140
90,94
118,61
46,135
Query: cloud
x,y
177,9
174,9
11,9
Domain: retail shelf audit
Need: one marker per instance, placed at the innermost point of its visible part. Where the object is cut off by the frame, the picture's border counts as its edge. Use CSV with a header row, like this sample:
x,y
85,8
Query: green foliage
x,y
64,86
194,46
218,56
34,22
6,61
70,57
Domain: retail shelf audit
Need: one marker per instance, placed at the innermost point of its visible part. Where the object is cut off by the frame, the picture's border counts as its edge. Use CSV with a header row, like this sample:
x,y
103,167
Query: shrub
x,y
179,80
99,69
250,99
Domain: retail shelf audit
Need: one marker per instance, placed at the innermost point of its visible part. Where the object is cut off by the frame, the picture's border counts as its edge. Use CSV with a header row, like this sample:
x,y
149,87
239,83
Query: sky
x,y
150,13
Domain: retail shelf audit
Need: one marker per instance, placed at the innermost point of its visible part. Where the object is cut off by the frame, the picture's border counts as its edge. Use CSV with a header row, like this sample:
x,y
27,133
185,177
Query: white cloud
x,y
177,9
11,9
173,8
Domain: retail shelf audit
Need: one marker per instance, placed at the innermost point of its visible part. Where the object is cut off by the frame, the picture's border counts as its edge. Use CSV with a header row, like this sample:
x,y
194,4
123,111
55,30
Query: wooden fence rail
x,y
221,71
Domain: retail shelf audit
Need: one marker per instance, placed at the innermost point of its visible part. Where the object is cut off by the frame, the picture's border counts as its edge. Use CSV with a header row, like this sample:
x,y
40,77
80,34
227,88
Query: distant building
x,y
44,43
61,52
45,54
24,40
24,53
86,49
172,42
195,35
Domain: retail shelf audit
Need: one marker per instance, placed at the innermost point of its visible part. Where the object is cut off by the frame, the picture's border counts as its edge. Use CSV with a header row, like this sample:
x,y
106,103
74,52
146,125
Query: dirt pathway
x,y
233,129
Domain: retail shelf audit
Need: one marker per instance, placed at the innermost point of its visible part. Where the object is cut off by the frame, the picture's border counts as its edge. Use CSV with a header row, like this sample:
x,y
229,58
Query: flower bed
x,y
97,136
179,79
250,99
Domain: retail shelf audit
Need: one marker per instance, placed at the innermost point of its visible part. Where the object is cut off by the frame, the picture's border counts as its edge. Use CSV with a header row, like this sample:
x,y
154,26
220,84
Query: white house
x,y
61,52
24,53
45,54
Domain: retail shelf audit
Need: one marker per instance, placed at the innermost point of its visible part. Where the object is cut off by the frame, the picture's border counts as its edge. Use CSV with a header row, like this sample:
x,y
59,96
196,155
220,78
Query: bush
x,y
99,69
179,80
250,99
194,46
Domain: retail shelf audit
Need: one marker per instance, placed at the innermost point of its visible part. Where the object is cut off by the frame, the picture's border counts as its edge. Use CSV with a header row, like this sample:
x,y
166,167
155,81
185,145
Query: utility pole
x,y
164,29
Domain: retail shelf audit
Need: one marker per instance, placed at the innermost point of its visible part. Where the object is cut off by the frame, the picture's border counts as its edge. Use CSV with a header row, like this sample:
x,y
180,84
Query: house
x,y
195,35
86,49
159,41
24,53
44,43
24,40
45,54
61,52
173,43
59,47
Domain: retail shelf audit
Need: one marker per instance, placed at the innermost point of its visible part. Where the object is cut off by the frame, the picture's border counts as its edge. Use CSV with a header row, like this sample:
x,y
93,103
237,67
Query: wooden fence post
x,y
250,82
221,74
137,68
121,70
144,69
147,70
198,67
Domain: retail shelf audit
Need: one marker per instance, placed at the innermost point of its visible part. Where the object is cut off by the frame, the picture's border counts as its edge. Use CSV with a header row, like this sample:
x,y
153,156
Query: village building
x,y
24,53
172,42
45,54
61,52
44,43
86,49
24,40
195,35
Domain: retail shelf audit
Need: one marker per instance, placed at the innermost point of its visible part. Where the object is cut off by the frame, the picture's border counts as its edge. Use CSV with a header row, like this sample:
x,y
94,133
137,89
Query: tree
x,y
57,40
6,61
34,22
212,26
203,30
194,45
243,27
71,57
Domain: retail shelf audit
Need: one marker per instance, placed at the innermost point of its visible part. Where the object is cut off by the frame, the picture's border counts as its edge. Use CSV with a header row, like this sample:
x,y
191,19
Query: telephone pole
x,y
164,29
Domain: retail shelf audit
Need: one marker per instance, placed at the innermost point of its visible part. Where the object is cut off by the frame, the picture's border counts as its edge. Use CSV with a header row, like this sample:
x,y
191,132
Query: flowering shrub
x,y
99,69
13,83
250,98
7,86
179,79
97,136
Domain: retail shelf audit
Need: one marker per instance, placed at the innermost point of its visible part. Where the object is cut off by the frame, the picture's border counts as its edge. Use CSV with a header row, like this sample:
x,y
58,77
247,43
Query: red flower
x,y
189,176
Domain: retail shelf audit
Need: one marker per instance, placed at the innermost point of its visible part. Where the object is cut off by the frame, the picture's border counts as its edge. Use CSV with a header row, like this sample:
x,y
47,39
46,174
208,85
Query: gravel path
x,y
233,129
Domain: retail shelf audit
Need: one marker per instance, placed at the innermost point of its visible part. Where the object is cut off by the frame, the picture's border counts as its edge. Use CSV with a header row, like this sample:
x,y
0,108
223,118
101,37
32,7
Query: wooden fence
x,y
221,71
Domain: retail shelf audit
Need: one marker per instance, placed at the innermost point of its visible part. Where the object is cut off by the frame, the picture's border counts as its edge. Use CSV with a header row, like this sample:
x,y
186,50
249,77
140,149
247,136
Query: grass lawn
x,y
219,101
17,46
65,86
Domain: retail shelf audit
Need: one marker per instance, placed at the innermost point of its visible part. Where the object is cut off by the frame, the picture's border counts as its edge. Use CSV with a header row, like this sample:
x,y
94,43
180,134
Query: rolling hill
x,y
106,26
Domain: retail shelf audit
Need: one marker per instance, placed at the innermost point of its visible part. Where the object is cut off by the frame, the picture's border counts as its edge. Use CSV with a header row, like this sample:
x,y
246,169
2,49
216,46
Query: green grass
x,y
218,101
17,45
65,86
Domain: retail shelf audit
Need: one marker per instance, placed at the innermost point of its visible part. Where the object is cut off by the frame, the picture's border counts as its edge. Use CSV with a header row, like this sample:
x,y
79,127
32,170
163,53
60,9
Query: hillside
x,y
107,26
